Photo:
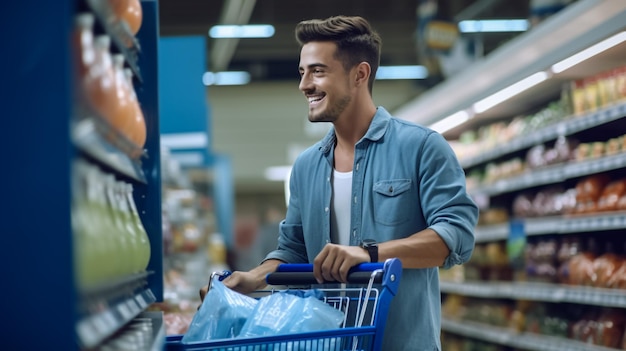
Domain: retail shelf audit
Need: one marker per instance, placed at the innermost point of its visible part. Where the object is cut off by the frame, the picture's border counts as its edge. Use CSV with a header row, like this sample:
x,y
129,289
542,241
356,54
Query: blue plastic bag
x,y
221,316
286,313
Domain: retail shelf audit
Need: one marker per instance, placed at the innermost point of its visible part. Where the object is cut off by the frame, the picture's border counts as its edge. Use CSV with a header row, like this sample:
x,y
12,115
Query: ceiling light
x,y
510,91
454,120
226,78
492,26
402,72
589,52
242,31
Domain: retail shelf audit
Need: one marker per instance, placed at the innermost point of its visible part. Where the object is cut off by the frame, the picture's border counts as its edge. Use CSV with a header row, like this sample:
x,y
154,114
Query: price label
x,y
132,307
141,301
125,311
110,319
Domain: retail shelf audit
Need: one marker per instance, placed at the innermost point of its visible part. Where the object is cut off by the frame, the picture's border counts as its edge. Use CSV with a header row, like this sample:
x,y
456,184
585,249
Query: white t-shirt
x,y
340,211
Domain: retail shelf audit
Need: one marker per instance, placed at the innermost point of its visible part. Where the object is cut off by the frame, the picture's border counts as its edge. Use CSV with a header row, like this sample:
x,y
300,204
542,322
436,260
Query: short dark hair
x,y
356,40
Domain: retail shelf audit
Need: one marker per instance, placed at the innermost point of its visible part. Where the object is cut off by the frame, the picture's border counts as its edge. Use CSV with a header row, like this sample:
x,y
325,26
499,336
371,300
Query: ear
x,y
363,71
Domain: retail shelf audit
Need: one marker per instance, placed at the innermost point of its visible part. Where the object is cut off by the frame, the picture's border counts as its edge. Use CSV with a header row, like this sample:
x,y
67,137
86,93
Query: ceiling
x,y
276,58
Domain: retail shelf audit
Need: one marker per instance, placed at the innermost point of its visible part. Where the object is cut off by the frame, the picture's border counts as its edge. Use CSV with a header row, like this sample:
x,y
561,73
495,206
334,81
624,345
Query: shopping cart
x,y
364,302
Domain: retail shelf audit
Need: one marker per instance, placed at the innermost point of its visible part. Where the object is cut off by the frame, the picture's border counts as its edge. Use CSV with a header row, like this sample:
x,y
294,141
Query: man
x,y
394,185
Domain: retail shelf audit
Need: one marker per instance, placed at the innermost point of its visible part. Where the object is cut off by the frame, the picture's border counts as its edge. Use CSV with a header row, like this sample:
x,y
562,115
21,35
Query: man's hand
x,y
247,282
242,282
334,262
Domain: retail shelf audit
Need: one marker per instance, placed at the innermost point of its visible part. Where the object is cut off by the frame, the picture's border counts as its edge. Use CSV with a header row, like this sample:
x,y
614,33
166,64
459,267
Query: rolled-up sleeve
x,y
448,209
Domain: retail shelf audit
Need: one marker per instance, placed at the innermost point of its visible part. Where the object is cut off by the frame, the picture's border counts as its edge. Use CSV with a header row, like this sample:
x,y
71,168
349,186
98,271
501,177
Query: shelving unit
x,y
577,27
538,292
555,225
42,141
524,341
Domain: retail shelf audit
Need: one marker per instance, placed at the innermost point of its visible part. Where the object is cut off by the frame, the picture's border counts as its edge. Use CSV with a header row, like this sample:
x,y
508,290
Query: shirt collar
x,y
376,130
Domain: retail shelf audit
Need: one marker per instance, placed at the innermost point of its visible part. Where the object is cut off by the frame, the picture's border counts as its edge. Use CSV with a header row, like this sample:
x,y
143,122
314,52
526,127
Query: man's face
x,y
323,81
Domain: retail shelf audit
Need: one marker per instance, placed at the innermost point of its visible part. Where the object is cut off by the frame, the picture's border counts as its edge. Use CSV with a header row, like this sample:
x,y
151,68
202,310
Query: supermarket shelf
x,y
158,329
96,327
556,225
87,139
525,341
578,26
538,292
566,127
552,175
492,232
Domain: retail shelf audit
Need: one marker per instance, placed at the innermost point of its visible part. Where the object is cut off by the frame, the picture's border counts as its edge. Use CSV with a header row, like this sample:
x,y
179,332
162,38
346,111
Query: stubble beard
x,y
331,114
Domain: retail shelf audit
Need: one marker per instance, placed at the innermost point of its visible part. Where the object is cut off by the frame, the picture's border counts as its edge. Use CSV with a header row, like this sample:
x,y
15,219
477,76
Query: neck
x,y
354,122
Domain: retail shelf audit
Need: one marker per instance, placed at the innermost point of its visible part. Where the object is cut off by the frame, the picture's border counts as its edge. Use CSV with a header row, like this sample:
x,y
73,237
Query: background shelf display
x,y
538,292
552,175
555,225
519,237
567,127
525,341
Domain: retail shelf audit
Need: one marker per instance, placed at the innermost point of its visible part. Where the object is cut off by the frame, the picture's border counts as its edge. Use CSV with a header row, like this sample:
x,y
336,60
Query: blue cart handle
x,y
307,267
302,273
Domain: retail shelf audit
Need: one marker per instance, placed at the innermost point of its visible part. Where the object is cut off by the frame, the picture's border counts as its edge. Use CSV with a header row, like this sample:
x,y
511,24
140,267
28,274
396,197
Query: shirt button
x,y
357,166
355,199
326,209
354,233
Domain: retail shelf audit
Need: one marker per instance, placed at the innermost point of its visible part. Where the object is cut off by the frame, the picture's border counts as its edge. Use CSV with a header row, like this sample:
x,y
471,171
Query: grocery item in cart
x,y
285,313
221,315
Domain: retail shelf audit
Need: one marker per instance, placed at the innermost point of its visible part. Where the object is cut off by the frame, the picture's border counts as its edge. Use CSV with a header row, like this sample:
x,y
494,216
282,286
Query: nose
x,y
305,83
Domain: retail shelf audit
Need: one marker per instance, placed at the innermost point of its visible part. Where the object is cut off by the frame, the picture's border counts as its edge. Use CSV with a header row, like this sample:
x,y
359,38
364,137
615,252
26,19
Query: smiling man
x,y
375,187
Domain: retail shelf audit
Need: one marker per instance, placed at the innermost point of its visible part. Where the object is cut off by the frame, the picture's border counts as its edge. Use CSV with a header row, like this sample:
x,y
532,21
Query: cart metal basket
x,y
364,302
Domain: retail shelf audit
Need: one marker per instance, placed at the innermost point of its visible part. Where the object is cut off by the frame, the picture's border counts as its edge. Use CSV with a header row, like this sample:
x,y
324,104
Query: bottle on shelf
x,y
83,44
143,247
119,233
89,249
99,82
130,231
137,122
121,120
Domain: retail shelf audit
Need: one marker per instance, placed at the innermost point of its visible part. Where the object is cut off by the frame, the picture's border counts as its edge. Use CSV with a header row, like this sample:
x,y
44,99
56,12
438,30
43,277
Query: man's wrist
x,y
371,246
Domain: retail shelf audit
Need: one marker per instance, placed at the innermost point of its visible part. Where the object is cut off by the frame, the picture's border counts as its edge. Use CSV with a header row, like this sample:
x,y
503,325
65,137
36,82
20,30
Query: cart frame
x,y
356,333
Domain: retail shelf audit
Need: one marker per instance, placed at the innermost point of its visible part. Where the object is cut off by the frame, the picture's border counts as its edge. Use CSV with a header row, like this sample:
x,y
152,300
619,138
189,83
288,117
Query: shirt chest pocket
x,y
392,201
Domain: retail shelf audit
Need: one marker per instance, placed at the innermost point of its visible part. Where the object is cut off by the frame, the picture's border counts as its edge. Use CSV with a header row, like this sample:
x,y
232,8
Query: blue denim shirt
x,y
406,178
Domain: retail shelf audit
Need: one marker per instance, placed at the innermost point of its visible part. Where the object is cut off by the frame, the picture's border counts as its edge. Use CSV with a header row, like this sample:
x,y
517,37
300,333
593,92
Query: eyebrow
x,y
313,65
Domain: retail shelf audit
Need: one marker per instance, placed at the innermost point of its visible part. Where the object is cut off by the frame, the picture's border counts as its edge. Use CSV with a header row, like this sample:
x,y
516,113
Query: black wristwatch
x,y
371,246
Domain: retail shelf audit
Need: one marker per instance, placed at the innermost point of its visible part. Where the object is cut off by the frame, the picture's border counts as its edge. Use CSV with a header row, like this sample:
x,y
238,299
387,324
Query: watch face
x,y
368,242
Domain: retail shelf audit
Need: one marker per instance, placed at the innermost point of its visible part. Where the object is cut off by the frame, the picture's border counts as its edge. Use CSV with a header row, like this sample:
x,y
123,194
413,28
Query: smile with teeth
x,y
313,100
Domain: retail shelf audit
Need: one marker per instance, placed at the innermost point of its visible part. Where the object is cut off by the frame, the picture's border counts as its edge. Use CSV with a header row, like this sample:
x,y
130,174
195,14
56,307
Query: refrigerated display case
x,y
47,303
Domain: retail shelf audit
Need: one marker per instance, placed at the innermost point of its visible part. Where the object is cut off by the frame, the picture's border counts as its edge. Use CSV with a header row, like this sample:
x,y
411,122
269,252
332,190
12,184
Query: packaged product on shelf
x,y
618,279
579,269
605,266
541,261
98,81
610,328
610,195
588,191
